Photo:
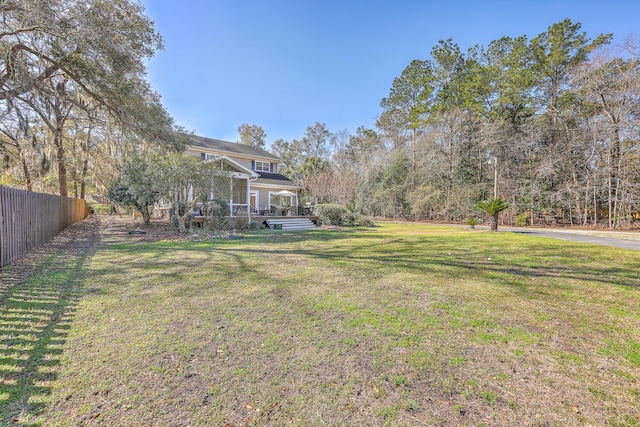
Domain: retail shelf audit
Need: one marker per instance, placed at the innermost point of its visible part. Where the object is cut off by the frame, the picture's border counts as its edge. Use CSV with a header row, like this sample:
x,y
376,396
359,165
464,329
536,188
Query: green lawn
x,y
402,324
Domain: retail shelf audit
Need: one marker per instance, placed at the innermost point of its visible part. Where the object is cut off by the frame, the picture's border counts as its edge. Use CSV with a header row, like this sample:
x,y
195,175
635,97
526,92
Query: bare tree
x,y
252,135
610,86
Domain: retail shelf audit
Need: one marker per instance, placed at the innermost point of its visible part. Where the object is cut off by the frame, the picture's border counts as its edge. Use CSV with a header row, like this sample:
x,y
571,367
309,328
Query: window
x,y
262,166
208,156
239,191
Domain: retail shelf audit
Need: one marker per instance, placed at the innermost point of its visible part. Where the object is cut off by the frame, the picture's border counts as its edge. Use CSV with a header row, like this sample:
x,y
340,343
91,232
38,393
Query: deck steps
x,y
293,223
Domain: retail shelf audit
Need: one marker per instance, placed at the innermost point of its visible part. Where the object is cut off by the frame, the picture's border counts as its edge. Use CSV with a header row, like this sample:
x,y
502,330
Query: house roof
x,y
238,166
230,147
273,178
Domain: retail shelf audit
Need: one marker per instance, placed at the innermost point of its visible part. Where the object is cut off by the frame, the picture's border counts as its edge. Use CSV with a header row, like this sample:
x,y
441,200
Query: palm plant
x,y
492,207
472,221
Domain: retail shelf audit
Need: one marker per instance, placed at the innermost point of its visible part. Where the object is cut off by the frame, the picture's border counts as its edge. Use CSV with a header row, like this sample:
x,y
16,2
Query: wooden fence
x,y
29,219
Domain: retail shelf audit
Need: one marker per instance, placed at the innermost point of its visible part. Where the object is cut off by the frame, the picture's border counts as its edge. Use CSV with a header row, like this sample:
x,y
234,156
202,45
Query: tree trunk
x,y
85,168
493,222
74,181
146,215
614,161
25,168
62,170
85,162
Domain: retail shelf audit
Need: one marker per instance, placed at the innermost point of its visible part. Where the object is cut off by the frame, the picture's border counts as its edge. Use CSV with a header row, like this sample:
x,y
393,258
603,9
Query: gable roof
x,y
230,147
236,165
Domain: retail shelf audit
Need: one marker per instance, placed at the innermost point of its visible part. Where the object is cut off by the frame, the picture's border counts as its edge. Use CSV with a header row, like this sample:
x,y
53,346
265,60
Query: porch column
x,y
230,196
248,199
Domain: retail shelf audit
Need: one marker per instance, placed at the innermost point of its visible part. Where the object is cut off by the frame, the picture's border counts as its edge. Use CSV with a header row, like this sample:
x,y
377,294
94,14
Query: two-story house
x,y
256,186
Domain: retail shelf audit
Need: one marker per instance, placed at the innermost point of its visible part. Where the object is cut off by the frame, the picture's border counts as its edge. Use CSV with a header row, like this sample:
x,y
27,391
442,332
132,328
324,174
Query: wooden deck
x,y
262,219
256,217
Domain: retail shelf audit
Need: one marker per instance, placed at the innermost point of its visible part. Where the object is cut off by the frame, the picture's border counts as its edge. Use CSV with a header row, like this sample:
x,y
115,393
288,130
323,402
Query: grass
x,y
404,324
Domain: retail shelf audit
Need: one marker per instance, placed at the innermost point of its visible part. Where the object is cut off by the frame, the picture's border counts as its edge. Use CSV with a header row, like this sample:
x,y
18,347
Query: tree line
x,y
551,123
74,100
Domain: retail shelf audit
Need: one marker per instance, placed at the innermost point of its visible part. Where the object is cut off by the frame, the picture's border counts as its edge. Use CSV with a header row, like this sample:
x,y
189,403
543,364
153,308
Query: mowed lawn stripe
x,y
402,324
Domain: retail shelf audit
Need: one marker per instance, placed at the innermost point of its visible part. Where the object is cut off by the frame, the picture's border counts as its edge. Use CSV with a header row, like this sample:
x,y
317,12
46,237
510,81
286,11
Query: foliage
x,y
101,209
492,207
254,226
360,220
137,186
178,178
216,208
73,72
241,222
522,219
551,119
391,187
315,142
472,221
453,117
335,214
216,212
252,135
330,213
185,178
73,91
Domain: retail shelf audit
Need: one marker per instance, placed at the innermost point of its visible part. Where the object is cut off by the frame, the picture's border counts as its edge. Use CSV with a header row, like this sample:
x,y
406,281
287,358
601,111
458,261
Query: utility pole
x,y
495,178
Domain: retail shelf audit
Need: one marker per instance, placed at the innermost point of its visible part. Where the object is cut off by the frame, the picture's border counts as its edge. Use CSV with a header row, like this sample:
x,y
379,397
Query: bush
x,y
350,219
365,221
215,208
101,209
331,213
522,220
472,221
254,226
334,214
216,213
241,222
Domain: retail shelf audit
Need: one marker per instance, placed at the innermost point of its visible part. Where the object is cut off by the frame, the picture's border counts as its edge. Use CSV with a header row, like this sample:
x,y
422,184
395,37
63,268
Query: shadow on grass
x,y
37,304
497,258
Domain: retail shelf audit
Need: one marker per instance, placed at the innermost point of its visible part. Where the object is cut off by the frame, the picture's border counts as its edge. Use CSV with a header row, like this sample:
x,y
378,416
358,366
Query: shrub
x,y
350,218
215,208
331,213
492,207
522,220
216,213
366,221
101,209
241,222
254,225
334,214
472,221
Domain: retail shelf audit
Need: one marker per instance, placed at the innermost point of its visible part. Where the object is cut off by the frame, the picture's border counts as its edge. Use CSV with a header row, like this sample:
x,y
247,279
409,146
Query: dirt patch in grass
x,y
403,324
115,228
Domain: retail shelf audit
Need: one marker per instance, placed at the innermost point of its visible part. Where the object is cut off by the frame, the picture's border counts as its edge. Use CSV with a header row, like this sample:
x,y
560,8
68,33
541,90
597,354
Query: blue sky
x,y
286,64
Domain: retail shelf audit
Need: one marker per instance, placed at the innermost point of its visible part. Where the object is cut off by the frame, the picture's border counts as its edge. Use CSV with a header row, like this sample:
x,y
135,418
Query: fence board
x,y
29,219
